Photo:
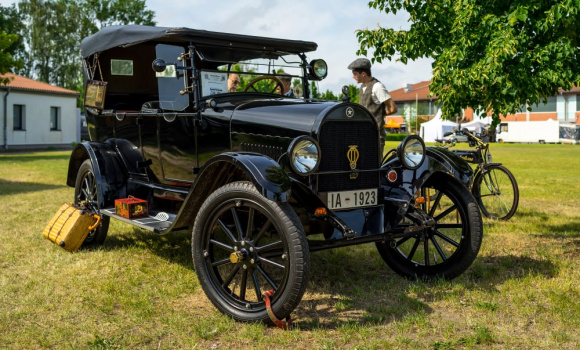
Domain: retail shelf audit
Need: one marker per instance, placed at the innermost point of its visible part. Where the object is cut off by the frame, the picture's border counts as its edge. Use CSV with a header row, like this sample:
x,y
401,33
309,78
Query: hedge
x,y
396,137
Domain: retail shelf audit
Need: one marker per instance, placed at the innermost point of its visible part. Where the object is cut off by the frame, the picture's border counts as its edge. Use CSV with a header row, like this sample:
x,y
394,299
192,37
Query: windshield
x,y
282,76
170,80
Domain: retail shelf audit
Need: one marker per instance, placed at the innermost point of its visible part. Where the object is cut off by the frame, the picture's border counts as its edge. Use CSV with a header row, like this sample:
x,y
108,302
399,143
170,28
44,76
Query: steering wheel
x,y
265,77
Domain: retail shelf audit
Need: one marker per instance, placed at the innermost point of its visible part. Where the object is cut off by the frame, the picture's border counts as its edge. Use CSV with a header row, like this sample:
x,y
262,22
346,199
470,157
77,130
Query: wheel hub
x,y
238,256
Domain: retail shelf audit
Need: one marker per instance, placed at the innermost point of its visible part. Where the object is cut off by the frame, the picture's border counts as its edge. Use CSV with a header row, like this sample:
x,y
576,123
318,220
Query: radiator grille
x,y
335,138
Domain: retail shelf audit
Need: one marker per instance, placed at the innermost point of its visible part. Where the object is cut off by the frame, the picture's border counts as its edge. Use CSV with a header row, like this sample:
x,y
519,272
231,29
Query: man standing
x,y
373,95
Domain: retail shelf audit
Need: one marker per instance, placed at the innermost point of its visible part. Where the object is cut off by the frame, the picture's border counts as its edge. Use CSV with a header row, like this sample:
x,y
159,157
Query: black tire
x,y
86,195
446,249
496,192
271,246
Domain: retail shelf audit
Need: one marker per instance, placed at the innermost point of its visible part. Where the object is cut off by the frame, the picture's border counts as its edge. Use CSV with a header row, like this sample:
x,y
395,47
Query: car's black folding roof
x,y
120,36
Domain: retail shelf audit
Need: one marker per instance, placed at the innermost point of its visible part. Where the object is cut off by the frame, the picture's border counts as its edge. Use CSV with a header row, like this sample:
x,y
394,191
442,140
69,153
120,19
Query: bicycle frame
x,y
480,156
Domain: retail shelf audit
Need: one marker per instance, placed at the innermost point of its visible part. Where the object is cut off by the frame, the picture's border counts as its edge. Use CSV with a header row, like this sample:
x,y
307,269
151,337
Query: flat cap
x,y
360,63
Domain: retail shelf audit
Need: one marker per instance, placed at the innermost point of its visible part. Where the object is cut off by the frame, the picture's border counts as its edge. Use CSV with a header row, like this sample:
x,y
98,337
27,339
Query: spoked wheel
x,y
244,245
86,195
445,234
497,193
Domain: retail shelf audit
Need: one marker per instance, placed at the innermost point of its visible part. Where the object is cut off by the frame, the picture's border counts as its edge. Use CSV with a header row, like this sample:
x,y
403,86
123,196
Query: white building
x,y
37,115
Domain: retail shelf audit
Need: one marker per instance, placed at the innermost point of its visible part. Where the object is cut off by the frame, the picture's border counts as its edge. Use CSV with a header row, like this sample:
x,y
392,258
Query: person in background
x,y
287,81
373,96
233,82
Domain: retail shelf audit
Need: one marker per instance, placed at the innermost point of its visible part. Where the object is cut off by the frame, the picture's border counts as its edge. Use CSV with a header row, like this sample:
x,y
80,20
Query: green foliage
x,y
353,93
314,93
7,62
12,50
395,137
492,55
329,96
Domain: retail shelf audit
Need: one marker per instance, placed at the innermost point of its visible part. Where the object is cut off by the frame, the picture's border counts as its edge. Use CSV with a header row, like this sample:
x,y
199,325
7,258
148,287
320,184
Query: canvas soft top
x,y
127,35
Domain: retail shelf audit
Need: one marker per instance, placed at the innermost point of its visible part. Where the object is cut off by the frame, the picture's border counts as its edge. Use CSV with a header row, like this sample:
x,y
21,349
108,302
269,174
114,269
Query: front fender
x,y
437,161
265,173
110,175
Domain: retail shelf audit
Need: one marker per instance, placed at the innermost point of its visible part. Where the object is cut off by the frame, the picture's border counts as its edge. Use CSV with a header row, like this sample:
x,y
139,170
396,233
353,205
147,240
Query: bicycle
x,y
494,187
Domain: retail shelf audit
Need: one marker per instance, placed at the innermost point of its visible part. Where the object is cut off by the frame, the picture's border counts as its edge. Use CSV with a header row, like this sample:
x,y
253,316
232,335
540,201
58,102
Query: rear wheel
x,y
244,245
497,193
86,195
445,234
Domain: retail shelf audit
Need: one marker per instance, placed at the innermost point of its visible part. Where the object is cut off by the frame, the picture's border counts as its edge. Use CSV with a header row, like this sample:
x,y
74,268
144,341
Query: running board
x,y
150,223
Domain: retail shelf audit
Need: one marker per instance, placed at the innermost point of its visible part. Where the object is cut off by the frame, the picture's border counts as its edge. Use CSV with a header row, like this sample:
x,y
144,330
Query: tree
x,y
489,55
353,93
7,62
329,96
54,30
12,48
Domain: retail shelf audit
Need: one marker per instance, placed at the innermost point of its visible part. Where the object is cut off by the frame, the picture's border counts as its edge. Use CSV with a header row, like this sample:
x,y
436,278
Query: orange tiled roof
x,y
418,91
21,83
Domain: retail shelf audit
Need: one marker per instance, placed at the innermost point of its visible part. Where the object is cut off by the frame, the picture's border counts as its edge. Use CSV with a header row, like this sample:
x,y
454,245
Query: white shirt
x,y
379,93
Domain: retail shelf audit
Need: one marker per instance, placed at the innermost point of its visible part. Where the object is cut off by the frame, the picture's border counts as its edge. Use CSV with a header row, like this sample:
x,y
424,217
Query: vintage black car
x,y
261,179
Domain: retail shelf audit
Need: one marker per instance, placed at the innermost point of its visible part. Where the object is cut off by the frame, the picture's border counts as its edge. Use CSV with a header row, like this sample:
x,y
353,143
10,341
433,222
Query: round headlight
x,y
318,69
304,155
411,152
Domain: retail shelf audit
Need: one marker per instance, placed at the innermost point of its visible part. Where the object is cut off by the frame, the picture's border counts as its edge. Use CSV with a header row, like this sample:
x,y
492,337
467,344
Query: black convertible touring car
x,y
261,179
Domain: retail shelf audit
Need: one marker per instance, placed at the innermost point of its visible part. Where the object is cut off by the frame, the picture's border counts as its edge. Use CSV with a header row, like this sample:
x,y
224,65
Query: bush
x,y
395,137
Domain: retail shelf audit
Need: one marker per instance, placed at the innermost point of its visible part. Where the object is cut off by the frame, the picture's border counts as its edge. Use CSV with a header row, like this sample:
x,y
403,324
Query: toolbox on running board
x,y
70,226
131,207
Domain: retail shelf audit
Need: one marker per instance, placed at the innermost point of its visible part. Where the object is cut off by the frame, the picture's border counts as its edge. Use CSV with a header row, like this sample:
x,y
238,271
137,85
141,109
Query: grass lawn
x,y
139,290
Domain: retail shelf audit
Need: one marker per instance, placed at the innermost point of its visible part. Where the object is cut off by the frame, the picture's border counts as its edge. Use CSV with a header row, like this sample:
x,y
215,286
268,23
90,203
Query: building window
x,y
54,118
577,103
18,115
546,108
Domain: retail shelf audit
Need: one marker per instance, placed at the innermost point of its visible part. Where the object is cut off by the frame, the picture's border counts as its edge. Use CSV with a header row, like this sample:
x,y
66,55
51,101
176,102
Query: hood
x,y
287,119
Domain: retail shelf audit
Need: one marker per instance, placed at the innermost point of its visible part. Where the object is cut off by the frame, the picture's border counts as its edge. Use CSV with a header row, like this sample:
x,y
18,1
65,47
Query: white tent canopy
x,y
477,125
435,128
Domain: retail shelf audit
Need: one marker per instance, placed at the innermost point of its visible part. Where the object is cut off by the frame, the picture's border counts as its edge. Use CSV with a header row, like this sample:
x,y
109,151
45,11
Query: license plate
x,y
352,199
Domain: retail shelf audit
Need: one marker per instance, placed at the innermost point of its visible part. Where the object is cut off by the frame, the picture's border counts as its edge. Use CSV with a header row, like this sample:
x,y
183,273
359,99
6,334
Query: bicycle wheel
x,y
496,191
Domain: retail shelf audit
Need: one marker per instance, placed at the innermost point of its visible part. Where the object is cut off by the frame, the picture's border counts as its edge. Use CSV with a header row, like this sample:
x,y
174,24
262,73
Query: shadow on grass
x,y
569,229
32,157
174,247
350,288
16,187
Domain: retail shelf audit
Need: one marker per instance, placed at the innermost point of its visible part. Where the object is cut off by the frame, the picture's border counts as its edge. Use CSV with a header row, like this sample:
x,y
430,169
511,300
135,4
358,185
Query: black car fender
x,y
109,173
441,158
264,172
401,184
400,190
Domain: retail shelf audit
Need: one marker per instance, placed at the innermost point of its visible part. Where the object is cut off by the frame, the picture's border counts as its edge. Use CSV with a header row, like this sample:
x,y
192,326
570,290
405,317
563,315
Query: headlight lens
x,y
318,69
304,155
411,152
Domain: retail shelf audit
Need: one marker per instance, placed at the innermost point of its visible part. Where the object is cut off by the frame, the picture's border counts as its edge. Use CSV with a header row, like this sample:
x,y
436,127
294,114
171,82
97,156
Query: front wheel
x,y
496,191
244,245
445,233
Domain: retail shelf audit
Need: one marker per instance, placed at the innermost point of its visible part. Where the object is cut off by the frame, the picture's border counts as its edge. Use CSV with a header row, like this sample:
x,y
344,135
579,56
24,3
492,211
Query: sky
x,y
330,23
